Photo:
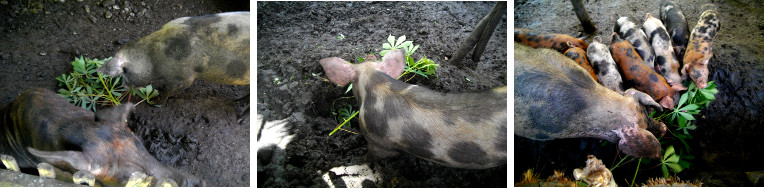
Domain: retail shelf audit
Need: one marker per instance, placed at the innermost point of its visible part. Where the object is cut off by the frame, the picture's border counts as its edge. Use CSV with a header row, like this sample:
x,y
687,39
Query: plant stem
x,y
635,173
343,123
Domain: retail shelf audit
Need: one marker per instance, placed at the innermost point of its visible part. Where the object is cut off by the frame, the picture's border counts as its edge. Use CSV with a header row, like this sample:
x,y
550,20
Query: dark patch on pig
x,y
501,138
178,47
397,86
568,100
105,133
375,123
43,130
596,66
663,34
237,69
418,139
633,68
637,43
705,49
628,33
653,78
467,152
660,60
232,30
198,22
198,69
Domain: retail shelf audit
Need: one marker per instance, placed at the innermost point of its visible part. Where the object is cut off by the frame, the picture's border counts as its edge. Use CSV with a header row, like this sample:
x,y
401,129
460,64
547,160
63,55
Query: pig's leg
x,y
643,99
67,160
376,153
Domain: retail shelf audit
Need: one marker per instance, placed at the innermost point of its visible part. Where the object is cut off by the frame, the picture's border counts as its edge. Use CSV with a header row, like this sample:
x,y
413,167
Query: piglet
x,y
538,39
212,47
639,75
666,62
626,29
676,25
699,49
41,126
604,65
579,56
460,130
554,101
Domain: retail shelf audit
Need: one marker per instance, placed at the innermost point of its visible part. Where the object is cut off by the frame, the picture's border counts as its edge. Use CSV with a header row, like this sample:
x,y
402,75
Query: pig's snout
x,y
113,67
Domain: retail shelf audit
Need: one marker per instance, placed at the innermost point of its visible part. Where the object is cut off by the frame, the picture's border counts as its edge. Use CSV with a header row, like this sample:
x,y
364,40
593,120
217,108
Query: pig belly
x,y
463,130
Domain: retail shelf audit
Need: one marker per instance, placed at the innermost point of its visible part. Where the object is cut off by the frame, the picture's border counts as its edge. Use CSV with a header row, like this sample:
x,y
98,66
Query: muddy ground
x,y
196,131
292,87
727,142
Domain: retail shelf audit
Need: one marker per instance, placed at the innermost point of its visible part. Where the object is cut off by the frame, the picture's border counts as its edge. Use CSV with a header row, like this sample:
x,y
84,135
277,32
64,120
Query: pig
x,y
41,126
626,29
579,56
699,49
676,25
555,41
666,62
639,75
604,65
553,101
212,47
459,130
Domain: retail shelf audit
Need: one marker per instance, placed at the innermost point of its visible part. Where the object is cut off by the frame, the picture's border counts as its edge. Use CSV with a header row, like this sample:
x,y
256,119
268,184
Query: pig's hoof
x,y
83,178
46,170
10,162
138,179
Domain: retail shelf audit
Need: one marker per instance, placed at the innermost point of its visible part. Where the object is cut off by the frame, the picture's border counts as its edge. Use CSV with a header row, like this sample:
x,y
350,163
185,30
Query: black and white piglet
x,y
461,130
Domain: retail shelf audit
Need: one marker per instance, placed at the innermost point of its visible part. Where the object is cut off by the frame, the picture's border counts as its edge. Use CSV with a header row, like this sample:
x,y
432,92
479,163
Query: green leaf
x,y
675,167
400,41
669,151
386,46
691,127
349,88
406,44
673,159
391,40
707,94
665,171
689,107
682,99
687,116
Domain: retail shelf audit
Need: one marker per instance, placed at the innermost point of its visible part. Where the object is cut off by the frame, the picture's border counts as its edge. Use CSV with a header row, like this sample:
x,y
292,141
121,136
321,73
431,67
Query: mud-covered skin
x,y
699,52
41,126
676,25
537,39
636,73
213,47
553,100
666,61
626,29
461,130
579,56
604,65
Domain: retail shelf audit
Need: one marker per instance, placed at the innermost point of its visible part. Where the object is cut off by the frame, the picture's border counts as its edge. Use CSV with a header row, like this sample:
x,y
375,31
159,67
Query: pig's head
x,y
342,72
639,139
111,152
132,62
697,70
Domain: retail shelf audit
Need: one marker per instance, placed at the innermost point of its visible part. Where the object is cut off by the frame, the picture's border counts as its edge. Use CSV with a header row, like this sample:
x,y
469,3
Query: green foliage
x,y
146,93
85,87
670,160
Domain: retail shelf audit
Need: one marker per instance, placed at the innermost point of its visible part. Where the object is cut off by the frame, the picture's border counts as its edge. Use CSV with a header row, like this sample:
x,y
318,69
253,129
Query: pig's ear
x,y
643,99
117,113
392,63
339,71
66,160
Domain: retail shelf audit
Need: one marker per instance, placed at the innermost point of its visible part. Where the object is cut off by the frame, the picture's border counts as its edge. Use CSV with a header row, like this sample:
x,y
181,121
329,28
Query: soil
x,y
727,142
195,131
293,90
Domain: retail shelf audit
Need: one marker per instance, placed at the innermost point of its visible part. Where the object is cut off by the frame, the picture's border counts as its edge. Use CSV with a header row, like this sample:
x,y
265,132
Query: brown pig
x,y
460,130
212,47
638,74
699,49
555,41
579,56
41,126
554,99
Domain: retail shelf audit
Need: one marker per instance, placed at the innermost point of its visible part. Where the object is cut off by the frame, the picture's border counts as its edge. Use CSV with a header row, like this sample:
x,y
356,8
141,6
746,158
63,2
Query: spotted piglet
x,y
676,25
626,29
666,62
461,130
604,65
699,49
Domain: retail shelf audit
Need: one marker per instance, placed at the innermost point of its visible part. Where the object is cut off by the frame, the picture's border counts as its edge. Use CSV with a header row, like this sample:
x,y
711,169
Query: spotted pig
x,y
626,29
461,130
41,126
666,62
538,39
604,65
699,52
676,25
213,47
553,101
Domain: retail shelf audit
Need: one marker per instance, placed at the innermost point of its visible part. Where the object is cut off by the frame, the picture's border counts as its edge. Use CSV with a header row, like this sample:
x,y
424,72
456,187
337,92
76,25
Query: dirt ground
x,y
196,131
727,142
292,88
